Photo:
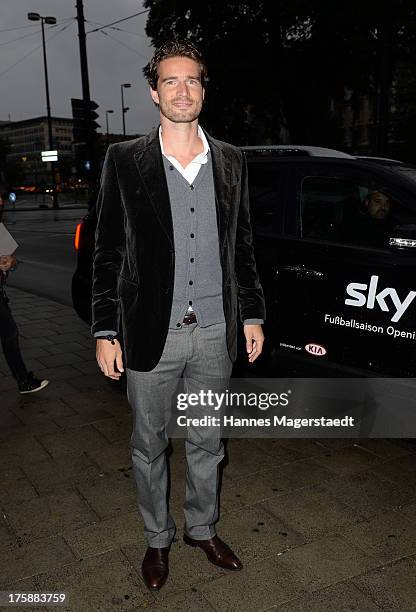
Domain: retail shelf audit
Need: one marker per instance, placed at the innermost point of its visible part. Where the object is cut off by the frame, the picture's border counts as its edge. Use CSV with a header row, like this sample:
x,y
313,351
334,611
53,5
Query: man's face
x,y
378,205
179,91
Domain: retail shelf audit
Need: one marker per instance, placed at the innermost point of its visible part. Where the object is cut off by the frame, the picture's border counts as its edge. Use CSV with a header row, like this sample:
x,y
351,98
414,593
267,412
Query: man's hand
x,y
107,355
7,262
254,341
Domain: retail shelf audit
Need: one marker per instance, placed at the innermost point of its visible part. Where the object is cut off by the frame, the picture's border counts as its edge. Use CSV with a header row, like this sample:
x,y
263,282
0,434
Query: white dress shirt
x,y
191,171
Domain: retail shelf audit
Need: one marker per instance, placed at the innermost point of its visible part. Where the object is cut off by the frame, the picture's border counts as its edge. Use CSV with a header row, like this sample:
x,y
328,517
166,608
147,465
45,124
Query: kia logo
x,y
315,349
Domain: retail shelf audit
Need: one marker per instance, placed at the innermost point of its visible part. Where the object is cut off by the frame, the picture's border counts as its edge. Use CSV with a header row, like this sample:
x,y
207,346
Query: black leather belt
x,y
189,318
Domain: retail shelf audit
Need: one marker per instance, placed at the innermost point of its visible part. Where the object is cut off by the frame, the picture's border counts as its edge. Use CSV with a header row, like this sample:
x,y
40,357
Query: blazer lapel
x,y
221,166
148,158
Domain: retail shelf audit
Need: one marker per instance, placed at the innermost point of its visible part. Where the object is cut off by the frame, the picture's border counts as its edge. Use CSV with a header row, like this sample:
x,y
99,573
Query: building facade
x,y
28,138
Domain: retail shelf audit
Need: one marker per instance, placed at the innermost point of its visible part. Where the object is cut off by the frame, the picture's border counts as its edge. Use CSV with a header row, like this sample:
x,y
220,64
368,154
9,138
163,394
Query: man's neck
x,y
181,140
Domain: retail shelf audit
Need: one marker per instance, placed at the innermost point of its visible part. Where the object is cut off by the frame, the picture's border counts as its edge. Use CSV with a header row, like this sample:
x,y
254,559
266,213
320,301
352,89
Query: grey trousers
x,y
198,355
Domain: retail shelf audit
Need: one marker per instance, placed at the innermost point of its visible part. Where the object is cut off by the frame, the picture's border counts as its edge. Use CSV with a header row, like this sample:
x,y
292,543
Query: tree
x,y
278,68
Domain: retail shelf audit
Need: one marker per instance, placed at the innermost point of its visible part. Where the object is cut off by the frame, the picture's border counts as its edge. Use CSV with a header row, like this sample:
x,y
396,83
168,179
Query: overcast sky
x,y
111,62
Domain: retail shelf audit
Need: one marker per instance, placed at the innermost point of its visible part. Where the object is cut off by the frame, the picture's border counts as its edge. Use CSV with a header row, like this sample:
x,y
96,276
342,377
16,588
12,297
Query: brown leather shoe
x,y
155,567
217,552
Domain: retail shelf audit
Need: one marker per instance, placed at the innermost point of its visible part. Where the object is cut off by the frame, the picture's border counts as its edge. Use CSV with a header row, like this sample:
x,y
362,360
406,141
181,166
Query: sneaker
x,y
32,384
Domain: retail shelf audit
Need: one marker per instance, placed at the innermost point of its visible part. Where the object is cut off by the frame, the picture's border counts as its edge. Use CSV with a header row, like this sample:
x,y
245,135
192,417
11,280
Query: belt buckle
x,y
189,318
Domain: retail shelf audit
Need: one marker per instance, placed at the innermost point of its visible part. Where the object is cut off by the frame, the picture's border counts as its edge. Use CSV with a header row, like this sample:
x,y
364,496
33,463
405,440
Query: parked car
x,y
335,244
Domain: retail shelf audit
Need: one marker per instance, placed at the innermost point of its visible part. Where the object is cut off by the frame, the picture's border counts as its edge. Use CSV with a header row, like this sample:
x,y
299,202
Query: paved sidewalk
x,y
319,524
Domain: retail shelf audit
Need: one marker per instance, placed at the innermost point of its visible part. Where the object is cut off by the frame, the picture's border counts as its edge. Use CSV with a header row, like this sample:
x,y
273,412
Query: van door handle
x,y
303,272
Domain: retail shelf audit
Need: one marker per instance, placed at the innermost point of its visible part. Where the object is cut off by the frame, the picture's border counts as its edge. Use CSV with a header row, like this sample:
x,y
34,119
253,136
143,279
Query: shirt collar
x,y
201,158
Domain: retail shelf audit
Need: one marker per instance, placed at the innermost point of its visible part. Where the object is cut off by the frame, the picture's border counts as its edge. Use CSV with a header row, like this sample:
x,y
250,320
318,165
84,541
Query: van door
x,y
342,294
267,177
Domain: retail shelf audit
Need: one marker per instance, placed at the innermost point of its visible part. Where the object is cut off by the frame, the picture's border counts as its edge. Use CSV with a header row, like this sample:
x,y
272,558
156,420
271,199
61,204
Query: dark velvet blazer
x,y
134,255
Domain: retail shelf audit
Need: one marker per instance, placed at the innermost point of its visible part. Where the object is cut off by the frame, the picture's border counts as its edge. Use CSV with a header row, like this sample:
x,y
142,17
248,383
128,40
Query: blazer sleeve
x,y
250,293
109,249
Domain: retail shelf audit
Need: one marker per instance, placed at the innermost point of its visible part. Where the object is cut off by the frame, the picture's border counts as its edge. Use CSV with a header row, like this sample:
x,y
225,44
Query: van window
x,y
345,211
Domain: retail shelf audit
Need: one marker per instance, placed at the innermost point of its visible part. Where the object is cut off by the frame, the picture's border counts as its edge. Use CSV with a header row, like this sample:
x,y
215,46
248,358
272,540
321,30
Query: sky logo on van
x,y
315,349
366,295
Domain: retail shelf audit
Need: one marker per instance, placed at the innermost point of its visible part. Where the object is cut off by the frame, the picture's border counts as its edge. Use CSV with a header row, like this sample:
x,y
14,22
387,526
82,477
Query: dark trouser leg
x,y
9,336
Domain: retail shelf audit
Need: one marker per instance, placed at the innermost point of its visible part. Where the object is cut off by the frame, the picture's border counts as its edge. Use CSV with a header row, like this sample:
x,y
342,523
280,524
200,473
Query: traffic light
x,y
84,116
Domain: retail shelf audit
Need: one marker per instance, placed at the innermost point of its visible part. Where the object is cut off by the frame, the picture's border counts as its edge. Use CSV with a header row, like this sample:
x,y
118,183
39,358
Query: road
x,y
46,251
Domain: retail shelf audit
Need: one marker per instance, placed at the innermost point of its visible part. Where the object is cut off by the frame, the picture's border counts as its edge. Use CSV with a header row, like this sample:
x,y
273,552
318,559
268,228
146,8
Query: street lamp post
x,y
50,21
107,112
124,109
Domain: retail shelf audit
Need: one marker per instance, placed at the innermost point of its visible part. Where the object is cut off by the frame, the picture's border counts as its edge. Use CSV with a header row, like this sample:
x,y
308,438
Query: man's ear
x,y
155,95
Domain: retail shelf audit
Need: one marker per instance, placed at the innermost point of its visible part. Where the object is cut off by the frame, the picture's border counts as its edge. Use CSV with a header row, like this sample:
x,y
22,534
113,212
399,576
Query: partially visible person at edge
x,y
9,334
174,252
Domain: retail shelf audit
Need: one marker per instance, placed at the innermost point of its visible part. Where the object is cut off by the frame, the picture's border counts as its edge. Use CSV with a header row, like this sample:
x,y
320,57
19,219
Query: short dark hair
x,y
174,48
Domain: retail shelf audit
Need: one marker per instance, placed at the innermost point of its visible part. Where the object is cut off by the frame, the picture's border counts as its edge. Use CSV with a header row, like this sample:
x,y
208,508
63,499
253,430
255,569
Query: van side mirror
x,y
403,237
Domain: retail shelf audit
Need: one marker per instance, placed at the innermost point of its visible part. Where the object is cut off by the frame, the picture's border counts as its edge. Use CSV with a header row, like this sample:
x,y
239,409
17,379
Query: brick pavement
x,y
318,524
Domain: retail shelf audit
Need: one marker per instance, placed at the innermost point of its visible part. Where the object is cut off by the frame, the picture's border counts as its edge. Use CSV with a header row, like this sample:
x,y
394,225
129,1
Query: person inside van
x,y
371,224
378,205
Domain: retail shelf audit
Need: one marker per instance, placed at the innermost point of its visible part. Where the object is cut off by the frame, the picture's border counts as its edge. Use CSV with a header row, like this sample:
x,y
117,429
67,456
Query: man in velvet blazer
x,y
173,269
135,257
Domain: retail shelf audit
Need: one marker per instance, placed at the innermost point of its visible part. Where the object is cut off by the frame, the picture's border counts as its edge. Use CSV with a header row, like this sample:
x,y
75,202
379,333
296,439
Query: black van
x,y
335,244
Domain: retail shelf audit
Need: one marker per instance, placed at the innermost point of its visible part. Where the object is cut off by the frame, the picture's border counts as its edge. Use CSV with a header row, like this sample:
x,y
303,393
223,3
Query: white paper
x,y
8,244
